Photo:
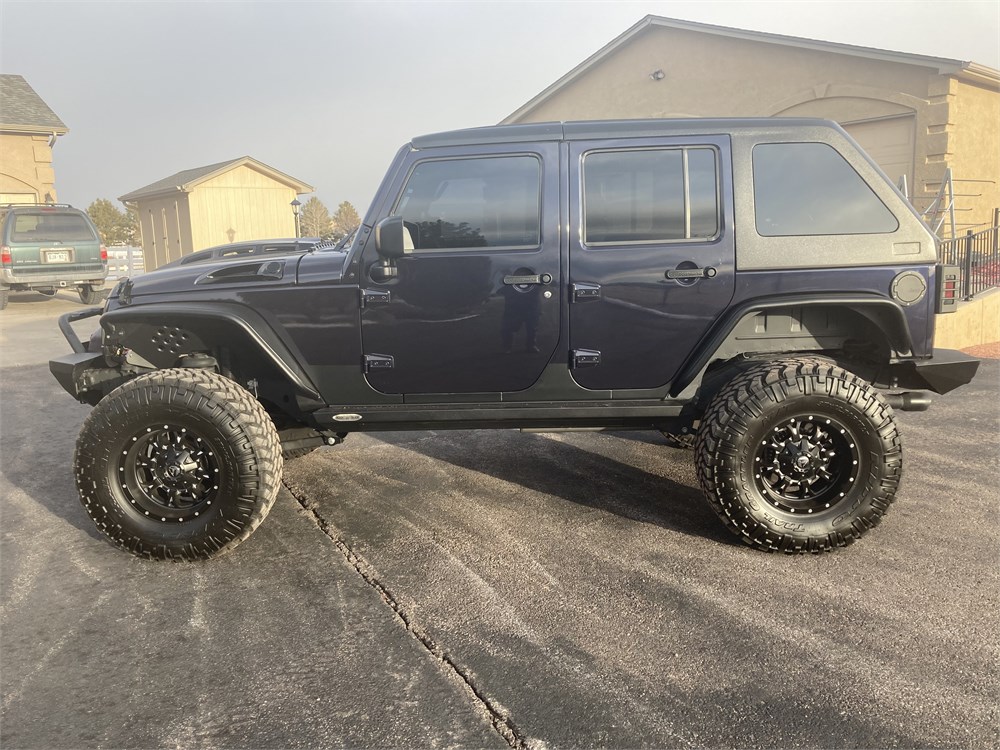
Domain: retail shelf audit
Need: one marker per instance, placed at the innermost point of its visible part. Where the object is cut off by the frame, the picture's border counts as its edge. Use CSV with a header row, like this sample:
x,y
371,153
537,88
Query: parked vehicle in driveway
x,y
48,247
758,284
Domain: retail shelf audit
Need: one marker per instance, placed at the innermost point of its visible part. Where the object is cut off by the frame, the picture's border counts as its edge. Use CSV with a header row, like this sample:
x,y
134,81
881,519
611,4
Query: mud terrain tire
x,y
179,464
799,456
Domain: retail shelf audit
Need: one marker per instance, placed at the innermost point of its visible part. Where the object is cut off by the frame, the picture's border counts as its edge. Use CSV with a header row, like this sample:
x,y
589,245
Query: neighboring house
x,y
232,201
915,115
28,131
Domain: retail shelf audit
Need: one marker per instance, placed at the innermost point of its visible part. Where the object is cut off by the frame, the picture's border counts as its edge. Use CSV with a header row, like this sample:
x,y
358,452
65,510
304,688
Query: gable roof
x,y
944,65
188,179
22,110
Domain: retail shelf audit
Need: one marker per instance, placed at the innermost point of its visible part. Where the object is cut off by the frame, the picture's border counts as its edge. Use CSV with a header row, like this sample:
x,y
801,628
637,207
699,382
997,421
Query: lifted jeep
x,y
757,288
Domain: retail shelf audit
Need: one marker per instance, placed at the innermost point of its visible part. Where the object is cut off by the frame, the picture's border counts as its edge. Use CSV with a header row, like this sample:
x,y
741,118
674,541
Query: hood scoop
x,y
241,273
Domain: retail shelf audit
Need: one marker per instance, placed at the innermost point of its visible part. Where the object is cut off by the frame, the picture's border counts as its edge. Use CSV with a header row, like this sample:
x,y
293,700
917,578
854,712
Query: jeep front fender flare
x,y
212,325
883,313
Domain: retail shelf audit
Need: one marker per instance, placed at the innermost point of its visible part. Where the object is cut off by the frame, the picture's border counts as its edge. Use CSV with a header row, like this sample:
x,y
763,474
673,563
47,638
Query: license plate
x,y
57,256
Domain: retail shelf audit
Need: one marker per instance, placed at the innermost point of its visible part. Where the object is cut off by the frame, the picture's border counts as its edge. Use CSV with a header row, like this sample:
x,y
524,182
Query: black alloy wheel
x,y
799,455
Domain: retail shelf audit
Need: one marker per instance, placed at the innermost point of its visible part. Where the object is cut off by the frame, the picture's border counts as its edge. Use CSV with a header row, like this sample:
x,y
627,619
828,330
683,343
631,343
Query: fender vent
x,y
170,340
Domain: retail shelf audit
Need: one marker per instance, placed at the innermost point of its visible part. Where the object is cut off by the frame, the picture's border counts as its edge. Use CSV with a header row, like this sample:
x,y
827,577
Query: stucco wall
x,y
973,323
706,75
975,152
241,204
26,166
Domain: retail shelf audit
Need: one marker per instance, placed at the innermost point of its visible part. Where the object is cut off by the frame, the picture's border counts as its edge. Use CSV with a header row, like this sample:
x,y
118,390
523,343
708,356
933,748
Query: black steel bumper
x,y
944,372
80,371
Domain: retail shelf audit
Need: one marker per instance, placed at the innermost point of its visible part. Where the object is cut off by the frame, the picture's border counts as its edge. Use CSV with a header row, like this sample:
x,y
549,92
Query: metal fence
x,y
978,255
124,261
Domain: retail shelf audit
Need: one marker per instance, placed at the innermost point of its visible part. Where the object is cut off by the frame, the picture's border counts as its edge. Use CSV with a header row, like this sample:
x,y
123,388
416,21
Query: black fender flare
x,y
882,312
232,321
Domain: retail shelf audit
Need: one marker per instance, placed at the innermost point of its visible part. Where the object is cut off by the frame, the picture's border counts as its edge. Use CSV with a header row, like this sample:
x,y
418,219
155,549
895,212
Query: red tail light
x,y
5,258
104,254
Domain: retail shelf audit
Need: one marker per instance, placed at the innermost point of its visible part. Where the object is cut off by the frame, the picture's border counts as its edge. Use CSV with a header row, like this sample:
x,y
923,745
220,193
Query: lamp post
x,y
295,210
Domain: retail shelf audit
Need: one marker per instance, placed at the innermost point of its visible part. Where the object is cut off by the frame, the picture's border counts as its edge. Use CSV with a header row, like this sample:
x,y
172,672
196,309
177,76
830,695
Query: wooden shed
x,y
232,201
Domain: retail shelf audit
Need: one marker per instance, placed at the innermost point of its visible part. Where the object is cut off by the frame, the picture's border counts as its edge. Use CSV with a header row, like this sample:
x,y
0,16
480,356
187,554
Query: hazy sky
x,y
327,91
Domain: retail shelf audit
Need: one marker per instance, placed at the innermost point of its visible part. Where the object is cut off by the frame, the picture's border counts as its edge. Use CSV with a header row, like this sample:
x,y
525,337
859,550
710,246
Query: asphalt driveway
x,y
496,589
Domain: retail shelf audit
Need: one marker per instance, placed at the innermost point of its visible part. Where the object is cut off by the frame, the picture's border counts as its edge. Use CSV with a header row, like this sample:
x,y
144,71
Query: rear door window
x,y
650,196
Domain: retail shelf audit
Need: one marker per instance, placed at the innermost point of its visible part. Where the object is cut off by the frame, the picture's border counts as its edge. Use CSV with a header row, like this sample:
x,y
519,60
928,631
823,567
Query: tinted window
x,y
639,196
468,203
810,189
42,227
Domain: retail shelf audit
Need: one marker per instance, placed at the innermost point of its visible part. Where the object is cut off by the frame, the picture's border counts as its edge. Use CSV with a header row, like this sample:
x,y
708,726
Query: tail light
x,y
948,288
104,255
5,257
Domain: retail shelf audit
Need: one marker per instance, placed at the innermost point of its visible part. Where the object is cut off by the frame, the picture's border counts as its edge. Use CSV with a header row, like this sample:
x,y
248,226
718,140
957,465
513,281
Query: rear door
x,y
474,307
652,255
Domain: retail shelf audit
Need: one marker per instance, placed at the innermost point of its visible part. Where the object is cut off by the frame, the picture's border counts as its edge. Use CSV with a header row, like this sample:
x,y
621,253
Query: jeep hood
x,y
204,277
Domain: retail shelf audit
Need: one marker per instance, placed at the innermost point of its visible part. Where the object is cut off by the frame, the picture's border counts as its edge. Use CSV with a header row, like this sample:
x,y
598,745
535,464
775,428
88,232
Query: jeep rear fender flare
x,y
883,313
238,321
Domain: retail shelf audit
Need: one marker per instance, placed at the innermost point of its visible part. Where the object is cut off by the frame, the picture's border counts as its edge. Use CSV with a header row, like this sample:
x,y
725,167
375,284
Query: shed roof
x,y
22,110
944,65
188,179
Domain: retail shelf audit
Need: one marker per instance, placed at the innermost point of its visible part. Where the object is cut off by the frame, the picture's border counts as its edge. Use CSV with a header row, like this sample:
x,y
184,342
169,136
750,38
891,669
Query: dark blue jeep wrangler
x,y
757,288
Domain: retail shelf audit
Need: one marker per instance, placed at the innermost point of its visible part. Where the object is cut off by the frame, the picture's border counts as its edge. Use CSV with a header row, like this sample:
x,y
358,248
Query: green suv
x,y
50,247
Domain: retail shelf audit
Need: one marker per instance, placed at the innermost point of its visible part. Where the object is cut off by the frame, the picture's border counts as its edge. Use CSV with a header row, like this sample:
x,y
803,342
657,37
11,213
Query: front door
x,y
474,305
651,256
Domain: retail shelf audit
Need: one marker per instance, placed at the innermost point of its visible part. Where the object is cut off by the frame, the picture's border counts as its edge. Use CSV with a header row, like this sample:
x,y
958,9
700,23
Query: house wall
x,y
241,204
26,168
165,223
975,153
707,75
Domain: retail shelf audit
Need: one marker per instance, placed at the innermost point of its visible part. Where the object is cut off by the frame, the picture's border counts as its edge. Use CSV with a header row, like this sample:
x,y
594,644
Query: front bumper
x,y
945,371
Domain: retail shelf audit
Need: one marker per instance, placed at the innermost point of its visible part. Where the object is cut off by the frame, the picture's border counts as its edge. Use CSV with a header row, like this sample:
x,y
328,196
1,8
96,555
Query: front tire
x,y
799,456
178,465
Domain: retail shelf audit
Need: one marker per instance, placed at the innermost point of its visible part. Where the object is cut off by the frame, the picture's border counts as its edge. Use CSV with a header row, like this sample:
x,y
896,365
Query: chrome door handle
x,y
691,273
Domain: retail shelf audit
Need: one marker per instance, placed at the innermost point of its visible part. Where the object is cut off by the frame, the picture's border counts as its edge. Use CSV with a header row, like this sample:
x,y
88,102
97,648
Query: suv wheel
x,y
91,296
799,456
178,464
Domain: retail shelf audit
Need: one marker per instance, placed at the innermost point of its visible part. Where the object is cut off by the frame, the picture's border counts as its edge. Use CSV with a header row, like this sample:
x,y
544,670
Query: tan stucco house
x,y
232,201
915,115
28,131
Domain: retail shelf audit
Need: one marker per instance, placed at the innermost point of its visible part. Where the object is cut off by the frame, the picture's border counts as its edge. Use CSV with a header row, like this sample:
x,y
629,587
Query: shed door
x,y
890,143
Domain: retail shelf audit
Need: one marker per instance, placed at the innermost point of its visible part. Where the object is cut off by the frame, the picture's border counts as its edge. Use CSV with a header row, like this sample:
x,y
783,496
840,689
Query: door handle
x,y
542,278
691,273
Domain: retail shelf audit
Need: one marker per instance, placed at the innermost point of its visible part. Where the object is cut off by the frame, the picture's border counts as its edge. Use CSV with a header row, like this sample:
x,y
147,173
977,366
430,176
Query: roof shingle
x,y
21,108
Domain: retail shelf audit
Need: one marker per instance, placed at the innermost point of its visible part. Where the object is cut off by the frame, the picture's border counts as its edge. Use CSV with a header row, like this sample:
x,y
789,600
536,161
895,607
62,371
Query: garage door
x,y
890,143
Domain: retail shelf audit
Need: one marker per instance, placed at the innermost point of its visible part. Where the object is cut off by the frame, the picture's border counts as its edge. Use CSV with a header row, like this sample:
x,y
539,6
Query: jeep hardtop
x,y
755,288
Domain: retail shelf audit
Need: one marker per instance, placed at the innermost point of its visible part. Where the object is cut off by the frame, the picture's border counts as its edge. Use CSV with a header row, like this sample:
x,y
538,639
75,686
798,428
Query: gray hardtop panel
x,y
597,129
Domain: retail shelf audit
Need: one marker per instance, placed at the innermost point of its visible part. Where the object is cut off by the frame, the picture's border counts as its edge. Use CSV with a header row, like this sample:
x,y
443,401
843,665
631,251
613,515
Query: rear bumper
x,y
944,372
47,277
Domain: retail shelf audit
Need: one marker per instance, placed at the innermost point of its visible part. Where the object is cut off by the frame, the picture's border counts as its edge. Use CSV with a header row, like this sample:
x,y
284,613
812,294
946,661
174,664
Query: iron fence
x,y
978,255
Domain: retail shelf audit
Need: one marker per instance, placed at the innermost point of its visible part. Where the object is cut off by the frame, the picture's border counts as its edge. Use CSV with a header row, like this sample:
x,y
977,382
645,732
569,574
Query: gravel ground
x,y
497,589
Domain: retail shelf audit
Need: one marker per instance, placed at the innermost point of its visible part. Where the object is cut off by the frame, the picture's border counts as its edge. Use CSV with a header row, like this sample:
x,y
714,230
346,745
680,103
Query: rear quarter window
x,y
805,189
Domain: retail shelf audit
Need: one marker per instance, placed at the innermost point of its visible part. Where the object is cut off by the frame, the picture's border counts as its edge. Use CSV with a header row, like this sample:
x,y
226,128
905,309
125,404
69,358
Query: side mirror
x,y
389,238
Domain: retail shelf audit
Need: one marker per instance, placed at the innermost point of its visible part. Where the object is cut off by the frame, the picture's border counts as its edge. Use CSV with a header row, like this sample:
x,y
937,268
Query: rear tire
x,y
799,456
90,296
179,464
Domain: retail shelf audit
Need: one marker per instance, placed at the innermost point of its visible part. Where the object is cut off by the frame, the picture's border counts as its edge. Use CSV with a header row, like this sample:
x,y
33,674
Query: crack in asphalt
x,y
497,717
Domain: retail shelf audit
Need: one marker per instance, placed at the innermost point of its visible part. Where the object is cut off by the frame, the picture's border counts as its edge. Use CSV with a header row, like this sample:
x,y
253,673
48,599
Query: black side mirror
x,y
389,238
